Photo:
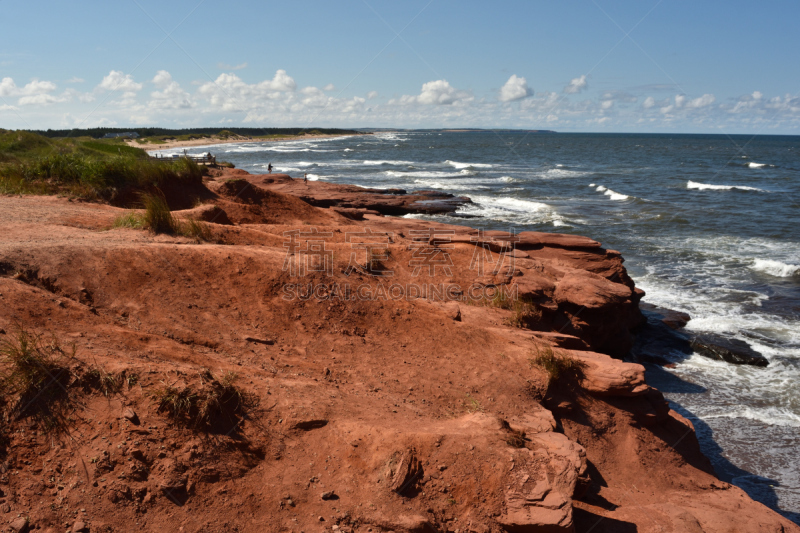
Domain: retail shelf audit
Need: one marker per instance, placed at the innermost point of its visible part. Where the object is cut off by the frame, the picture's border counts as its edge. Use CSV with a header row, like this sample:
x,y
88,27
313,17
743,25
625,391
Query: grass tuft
x,y
472,404
557,365
157,215
216,406
34,379
106,383
129,220
194,229
524,314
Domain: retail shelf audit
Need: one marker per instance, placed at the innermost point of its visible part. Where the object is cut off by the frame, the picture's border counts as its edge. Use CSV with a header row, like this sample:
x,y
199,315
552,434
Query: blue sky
x,y
649,66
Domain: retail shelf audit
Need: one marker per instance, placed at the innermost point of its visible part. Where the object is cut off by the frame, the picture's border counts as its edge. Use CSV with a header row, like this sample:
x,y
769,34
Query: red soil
x,y
374,414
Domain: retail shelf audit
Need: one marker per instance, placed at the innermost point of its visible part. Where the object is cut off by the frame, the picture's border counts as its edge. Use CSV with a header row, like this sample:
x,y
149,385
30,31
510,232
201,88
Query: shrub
x,y
34,379
217,406
557,365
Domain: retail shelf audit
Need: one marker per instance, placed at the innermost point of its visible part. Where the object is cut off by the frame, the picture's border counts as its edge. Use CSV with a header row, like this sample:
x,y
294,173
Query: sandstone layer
x,y
377,411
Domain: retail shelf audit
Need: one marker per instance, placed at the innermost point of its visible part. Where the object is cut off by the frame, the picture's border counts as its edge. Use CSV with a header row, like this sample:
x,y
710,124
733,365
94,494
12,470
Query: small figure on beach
x,y
269,168
305,178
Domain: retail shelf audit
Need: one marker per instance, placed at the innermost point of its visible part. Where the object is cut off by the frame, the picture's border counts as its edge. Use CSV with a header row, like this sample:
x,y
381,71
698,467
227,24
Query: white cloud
x,y
372,95
438,92
34,93
329,87
516,88
225,66
75,79
36,87
118,81
577,85
170,95
703,101
649,102
281,82
607,104
230,93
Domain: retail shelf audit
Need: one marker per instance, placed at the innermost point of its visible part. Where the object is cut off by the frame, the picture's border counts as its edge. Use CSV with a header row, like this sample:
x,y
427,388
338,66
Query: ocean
x,y
708,224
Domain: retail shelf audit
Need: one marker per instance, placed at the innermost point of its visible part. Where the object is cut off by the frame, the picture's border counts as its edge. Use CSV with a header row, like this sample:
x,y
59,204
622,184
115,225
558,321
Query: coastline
x,y
433,412
214,141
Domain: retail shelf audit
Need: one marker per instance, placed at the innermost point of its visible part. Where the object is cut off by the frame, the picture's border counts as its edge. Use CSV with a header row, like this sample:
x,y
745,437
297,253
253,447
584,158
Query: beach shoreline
x,y
213,140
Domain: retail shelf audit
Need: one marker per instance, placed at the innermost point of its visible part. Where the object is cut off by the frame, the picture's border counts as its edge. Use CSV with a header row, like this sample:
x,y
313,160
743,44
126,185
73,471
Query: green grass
x,y
129,220
84,167
556,365
159,219
157,215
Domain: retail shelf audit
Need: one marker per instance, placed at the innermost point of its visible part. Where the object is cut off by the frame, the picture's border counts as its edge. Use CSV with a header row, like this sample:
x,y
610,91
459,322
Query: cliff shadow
x,y
759,488
589,521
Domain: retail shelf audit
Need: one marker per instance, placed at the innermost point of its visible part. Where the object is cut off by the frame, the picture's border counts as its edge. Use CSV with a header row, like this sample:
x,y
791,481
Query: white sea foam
x,y
386,162
615,195
511,210
450,184
753,164
456,164
313,177
612,195
348,150
592,185
507,179
562,173
776,268
711,187
773,416
428,174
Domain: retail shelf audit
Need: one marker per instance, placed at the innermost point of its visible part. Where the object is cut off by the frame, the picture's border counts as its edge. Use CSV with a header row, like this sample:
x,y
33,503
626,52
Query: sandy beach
x,y
238,140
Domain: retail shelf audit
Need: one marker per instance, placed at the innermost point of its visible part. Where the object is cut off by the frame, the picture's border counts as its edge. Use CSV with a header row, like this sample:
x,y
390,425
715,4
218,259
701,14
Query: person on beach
x,y
305,178
269,168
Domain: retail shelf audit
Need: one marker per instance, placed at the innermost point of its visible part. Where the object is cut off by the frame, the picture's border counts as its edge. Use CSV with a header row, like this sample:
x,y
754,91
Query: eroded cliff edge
x,y
378,410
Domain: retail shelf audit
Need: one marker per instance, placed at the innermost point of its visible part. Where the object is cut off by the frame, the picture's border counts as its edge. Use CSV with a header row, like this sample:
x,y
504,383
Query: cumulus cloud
x,y
703,101
34,93
577,85
225,66
118,81
170,94
278,100
329,87
230,93
438,92
75,79
516,88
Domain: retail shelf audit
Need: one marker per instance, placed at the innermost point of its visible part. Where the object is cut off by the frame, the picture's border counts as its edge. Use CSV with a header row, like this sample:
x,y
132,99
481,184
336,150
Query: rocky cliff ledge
x,y
398,376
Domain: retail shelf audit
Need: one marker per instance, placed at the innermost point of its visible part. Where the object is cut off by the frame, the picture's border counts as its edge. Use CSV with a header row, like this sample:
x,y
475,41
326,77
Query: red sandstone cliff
x,y
375,413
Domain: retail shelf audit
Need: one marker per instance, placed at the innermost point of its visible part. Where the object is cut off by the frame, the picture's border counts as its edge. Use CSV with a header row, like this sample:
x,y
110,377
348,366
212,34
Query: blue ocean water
x,y
708,225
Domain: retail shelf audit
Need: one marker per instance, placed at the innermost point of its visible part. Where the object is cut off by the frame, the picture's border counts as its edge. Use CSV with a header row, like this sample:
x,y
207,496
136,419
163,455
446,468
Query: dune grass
x,y
84,167
158,218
